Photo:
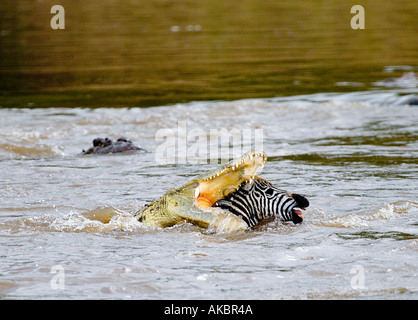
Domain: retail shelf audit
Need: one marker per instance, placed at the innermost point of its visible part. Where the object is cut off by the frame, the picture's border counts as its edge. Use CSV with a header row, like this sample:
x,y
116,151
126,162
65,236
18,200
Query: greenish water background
x,y
116,53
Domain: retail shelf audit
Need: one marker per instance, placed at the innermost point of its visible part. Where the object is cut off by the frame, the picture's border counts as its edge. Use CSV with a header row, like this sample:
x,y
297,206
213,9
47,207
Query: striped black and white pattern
x,y
257,200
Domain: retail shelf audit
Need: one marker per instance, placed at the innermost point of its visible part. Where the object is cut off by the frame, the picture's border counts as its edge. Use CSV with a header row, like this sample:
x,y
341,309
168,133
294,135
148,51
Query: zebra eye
x,y
269,192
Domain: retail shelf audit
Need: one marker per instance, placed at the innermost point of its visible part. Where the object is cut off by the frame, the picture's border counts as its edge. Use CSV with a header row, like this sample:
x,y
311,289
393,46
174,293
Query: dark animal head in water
x,y
106,145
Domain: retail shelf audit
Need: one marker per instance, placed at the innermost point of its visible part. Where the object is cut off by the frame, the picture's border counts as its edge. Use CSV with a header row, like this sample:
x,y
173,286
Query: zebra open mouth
x,y
297,215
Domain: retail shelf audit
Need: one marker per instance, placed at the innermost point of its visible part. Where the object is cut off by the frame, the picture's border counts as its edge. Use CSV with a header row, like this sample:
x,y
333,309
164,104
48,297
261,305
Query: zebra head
x,y
258,199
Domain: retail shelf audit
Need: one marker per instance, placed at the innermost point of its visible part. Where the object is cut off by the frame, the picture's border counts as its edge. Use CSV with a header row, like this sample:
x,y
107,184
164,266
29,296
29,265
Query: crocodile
x,y
229,198
106,145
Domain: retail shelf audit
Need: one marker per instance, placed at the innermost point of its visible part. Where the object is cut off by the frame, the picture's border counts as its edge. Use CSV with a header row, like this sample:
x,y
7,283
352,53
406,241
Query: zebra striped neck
x,y
258,200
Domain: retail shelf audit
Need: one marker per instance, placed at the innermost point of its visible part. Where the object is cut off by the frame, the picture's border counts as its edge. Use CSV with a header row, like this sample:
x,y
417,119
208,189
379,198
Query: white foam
x,y
364,218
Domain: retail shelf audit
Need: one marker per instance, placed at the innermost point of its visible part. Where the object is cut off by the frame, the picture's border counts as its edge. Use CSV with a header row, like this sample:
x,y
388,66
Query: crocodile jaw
x,y
217,184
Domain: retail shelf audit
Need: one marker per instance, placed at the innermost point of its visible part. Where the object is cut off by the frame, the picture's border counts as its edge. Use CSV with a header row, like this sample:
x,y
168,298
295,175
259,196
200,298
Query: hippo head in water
x,y
106,145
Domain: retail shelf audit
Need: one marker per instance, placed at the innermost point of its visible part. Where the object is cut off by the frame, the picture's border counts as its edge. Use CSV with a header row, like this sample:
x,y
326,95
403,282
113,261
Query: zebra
x,y
258,199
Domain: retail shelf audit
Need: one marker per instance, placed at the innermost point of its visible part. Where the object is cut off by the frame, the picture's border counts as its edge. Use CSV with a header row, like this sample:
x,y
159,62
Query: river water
x,y
353,155
335,110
